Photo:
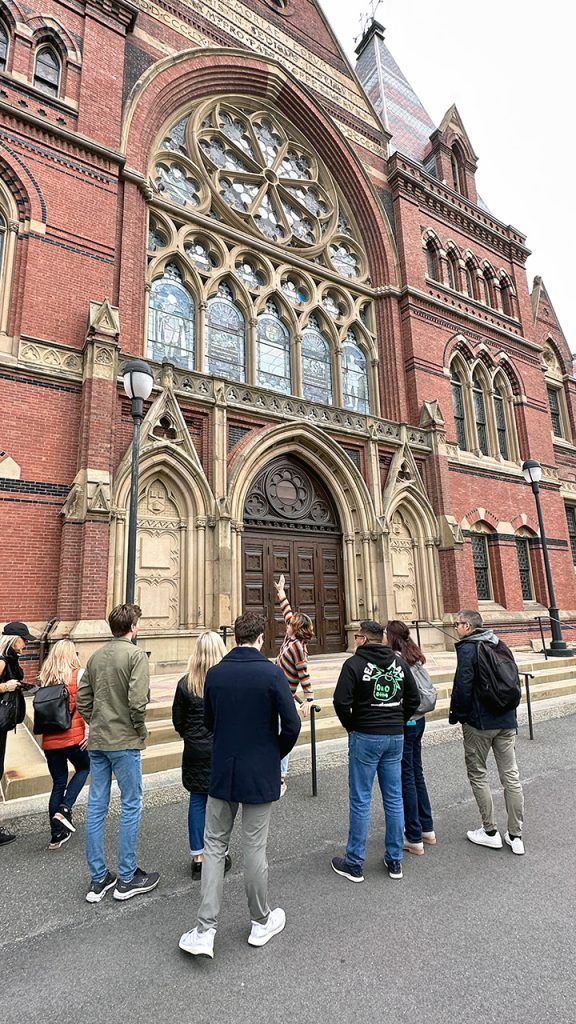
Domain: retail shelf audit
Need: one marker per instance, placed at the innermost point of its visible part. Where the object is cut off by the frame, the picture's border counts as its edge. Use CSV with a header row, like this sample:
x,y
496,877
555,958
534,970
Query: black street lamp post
x,y
532,471
138,381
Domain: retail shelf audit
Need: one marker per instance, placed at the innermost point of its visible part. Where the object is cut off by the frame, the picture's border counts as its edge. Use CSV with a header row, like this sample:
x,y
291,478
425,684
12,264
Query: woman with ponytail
x,y
418,824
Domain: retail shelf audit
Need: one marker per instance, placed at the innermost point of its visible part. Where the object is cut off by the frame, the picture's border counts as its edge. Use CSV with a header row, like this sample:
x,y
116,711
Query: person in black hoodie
x,y
15,636
188,720
375,695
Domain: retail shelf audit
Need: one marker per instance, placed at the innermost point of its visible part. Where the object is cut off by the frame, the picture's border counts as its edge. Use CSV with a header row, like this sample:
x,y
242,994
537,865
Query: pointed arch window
x,y
47,70
481,563
432,261
458,409
354,376
225,336
316,364
458,172
171,332
555,410
500,417
480,413
451,271
2,241
506,293
487,290
469,281
4,43
273,351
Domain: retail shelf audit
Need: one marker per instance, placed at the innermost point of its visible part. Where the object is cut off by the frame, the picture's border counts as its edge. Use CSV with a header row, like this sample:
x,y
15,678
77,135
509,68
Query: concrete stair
x,y
27,774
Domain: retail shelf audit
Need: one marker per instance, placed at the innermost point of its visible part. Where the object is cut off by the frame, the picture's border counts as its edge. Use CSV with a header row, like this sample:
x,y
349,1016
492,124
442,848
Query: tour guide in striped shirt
x,y
293,658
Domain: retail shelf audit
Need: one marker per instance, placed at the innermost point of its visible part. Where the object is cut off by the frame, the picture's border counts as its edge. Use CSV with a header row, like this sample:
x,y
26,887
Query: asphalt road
x,y
469,936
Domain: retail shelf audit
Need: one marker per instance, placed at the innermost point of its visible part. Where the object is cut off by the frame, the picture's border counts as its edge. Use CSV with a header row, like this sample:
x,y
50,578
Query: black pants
x,y
64,792
3,738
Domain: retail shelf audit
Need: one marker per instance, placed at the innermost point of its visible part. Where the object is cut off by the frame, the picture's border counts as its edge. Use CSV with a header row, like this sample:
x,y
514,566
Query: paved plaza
x,y
469,935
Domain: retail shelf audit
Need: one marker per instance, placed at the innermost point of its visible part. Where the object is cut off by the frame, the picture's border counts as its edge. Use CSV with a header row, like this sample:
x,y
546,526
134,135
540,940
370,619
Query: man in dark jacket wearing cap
x,y
375,695
15,636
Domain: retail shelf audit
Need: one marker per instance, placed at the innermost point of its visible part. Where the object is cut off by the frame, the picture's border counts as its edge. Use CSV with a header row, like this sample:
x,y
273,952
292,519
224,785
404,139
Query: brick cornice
x,y
409,180
24,123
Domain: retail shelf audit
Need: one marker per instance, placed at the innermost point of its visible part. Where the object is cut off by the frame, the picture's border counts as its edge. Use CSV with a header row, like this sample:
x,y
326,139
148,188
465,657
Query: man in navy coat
x,y
245,697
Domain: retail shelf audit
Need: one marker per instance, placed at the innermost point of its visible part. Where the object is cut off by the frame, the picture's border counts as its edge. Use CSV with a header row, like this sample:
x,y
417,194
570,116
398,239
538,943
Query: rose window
x,y
266,175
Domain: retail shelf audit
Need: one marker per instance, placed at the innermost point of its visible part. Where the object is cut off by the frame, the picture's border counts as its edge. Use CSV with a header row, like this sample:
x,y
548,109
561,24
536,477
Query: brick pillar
x,y
83,584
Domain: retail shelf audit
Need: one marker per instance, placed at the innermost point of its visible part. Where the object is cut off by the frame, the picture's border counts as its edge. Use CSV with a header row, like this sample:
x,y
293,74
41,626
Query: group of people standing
x,y
237,716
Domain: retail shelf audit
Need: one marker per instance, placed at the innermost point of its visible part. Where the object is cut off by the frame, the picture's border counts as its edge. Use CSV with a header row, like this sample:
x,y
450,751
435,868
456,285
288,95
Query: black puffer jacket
x,y
188,720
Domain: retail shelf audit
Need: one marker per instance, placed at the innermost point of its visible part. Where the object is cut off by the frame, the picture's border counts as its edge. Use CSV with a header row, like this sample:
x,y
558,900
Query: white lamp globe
x,y
532,471
138,379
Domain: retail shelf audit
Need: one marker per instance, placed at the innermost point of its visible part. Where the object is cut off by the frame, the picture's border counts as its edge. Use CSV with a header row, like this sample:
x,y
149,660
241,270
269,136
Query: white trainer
x,y
516,844
481,838
417,848
262,933
198,943
429,838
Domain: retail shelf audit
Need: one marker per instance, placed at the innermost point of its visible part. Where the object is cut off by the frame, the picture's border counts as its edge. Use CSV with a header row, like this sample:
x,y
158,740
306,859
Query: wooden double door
x,y
314,584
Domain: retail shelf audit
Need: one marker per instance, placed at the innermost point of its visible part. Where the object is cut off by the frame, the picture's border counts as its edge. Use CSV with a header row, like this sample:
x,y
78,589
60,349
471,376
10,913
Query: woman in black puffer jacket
x,y
188,720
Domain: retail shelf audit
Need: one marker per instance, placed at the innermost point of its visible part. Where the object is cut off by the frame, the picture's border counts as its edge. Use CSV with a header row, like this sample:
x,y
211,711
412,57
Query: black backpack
x,y
52,709
498,681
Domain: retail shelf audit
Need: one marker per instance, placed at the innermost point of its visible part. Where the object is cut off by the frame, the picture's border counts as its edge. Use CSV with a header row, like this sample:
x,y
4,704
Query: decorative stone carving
x,y
89,496
450,532
403,569
431,415
158,557
9,469
51,357
103,320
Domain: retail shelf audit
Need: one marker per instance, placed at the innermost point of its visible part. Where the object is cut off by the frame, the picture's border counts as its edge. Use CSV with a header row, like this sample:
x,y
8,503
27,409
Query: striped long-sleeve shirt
x,y
293,656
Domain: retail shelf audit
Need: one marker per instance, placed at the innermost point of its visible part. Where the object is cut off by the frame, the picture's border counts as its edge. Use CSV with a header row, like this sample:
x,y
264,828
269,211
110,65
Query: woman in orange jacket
x,y
62,666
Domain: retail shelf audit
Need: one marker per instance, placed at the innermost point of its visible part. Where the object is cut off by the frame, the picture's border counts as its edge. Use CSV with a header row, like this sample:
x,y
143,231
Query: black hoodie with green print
x,y
376,692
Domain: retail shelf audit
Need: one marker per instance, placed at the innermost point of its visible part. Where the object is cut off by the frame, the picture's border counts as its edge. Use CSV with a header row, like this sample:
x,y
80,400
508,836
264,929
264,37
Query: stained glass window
x,y
480,414
182,189
481,566
157,238
199,253
354,376
171,320
273,352
3,47
294,291
555,414
331,306
571,517
175,140
252,277
344,260
500,415
523,552
458,409
225,337
47,71
316,364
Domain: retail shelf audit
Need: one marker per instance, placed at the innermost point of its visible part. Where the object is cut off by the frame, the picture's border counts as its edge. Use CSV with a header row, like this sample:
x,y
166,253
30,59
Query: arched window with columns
x,y
355,375
316,364
47,70
481,562
458,409
273,366
225,336
4,46
171,314
479,400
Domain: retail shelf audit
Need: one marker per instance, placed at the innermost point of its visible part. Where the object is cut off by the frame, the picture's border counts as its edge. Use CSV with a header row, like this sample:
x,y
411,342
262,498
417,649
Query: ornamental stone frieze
x,y
90,496
54,360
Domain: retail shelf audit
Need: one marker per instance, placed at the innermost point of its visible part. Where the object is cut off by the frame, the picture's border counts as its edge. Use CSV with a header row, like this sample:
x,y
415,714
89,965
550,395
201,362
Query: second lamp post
x,y
138,380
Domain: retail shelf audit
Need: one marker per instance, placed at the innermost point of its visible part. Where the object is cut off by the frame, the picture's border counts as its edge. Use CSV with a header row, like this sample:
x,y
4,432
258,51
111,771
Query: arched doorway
x,y
291,527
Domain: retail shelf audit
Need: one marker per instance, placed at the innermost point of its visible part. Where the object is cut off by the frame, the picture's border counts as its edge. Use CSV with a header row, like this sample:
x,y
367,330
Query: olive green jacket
x,y
112,696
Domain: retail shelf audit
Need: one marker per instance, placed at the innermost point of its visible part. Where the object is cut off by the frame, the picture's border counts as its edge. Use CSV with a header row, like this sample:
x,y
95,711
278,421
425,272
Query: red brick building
x,y
349,364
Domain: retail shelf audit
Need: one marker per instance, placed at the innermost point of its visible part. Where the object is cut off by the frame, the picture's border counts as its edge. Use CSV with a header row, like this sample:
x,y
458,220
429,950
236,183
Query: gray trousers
x,y
220,817
477,746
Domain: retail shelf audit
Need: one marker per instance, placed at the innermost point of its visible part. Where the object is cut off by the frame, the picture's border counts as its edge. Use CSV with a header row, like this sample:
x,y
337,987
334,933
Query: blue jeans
x,y
196,822
63,792
417,810
284,766
127,768
369,755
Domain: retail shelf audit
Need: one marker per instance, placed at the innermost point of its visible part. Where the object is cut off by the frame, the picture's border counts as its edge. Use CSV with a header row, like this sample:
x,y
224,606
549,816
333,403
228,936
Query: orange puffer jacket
x,y
77,731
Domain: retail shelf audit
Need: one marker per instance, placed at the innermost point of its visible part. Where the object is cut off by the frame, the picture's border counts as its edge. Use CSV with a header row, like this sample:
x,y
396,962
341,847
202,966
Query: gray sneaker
x,y
140,882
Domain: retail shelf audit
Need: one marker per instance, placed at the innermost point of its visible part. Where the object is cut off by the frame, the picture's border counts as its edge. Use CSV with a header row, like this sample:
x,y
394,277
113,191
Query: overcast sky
x,y
508,65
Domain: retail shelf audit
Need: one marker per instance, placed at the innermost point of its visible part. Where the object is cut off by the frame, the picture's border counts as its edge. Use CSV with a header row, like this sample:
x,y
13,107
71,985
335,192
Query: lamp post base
x,y
560,652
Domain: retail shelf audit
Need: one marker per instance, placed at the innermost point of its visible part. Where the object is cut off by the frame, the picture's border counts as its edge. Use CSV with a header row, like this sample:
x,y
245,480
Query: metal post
x,y
544,651
417,624
527,676
137,414
313,749
558,646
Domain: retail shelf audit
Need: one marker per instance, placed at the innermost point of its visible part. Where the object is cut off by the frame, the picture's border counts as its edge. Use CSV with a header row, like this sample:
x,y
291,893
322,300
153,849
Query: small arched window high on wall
x,y
506,294
316,364
487,290
469,280
47,70
354,376
2,241
4,42
432,261
480,413
500,417
171,320
456,392
458,172
273,351
225,337
451,270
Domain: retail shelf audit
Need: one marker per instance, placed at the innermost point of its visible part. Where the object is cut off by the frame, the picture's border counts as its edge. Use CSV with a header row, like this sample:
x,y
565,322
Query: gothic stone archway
x,y
291,527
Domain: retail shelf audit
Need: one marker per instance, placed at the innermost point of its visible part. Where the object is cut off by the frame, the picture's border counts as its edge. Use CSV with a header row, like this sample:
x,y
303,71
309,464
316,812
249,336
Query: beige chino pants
x,y
477,746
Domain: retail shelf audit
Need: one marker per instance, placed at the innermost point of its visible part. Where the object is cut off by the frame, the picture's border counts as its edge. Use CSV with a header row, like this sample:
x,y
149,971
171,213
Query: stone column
x,y
200,613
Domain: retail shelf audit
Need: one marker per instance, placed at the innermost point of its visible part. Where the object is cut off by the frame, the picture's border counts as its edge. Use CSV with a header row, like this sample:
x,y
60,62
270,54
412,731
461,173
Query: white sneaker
x,y
198,943
429,838
262,933
481,838
417,848
516,844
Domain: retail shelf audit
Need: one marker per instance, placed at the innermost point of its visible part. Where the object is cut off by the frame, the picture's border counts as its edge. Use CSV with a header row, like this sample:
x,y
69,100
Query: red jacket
x,y
77,731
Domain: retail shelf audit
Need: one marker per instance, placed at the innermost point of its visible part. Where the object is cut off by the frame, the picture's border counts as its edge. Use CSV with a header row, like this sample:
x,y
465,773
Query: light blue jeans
x,y
368,755
126,766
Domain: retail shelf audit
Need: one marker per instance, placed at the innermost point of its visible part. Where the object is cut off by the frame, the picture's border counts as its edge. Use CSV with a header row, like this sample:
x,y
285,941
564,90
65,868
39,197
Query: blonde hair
x,y
5,644
208,651
61,662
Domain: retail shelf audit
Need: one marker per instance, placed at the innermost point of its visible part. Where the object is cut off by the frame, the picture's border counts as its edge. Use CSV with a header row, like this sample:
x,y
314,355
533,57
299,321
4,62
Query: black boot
x,y
6,837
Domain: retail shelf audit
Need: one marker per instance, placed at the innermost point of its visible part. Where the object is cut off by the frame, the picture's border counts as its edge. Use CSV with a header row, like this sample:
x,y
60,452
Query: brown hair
x,y
248,627
123,617
400,640
302,626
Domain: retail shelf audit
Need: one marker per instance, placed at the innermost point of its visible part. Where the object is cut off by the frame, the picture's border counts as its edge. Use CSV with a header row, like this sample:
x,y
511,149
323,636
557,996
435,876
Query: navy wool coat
x,y
250,710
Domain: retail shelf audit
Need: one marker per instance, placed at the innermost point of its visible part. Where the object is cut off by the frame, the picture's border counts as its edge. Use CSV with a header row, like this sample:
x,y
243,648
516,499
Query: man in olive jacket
x,y
113,694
